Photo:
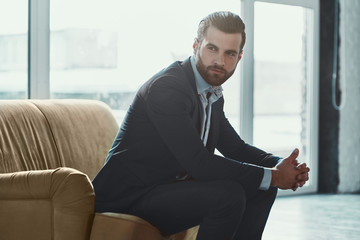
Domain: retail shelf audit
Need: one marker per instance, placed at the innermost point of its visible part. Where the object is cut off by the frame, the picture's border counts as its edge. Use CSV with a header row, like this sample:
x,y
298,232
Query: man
x,y
162,165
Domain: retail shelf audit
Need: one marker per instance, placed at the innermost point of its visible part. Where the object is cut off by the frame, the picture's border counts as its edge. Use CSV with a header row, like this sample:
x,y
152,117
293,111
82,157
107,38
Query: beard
x,y
213,74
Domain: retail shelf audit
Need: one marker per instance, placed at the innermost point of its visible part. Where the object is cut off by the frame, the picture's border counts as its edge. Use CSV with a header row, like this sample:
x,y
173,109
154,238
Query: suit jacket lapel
x,y
186,65
196,115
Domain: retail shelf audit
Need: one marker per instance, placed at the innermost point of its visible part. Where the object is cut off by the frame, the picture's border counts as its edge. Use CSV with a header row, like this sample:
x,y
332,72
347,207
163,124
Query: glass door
x,y
285,81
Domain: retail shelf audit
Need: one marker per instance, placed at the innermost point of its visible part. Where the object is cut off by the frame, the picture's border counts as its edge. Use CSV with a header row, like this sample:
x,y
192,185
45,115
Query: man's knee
x,y
272,193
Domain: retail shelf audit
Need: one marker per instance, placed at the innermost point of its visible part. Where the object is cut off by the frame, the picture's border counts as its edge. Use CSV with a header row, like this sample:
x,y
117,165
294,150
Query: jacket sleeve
x,y
169,106
232,146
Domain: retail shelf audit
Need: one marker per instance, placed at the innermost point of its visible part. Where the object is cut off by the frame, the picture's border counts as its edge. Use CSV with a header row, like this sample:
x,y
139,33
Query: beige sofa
x,y
50,150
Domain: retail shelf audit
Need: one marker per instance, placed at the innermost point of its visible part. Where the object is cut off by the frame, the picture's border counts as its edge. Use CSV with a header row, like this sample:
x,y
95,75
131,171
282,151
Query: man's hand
x,y
303,177
289,174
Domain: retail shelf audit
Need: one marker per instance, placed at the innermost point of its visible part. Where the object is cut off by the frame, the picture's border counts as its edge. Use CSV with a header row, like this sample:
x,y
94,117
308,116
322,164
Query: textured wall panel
x,y
349,136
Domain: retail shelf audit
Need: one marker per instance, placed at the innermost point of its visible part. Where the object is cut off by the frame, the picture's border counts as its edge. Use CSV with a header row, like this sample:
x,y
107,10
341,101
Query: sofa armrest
x,y
46,204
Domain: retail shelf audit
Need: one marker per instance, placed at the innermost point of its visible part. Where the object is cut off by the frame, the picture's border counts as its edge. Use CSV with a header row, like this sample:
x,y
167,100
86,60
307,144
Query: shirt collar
x,y
201,84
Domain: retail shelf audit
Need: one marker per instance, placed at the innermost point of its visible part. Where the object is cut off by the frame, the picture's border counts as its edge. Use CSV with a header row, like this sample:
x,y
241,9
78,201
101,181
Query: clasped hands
x,y
289,173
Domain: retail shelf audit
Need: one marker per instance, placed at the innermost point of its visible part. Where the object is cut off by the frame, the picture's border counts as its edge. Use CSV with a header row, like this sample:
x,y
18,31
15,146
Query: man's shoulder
x,y
178,69
177,74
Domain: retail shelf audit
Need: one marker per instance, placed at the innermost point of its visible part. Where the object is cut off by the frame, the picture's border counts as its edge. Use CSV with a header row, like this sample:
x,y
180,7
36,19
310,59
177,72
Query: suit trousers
x,y
220,207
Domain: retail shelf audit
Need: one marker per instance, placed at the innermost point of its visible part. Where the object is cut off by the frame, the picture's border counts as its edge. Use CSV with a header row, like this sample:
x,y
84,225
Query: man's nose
x,y
220,60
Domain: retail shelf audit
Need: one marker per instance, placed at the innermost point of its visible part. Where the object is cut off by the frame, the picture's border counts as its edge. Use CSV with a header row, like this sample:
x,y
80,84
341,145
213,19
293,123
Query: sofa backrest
x,y
46,134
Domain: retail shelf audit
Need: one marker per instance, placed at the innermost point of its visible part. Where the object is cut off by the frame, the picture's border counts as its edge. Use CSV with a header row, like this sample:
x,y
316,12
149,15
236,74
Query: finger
x,y
303,170
294,154
295,162
292,157
301,166
301,183
302,177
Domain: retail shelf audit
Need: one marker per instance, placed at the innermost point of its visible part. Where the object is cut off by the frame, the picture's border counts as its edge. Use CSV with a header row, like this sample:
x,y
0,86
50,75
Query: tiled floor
x,y
315,217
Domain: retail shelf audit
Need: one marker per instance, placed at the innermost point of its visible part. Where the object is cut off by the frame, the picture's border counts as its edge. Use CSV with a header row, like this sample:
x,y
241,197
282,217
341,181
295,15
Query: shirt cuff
x,y
265,183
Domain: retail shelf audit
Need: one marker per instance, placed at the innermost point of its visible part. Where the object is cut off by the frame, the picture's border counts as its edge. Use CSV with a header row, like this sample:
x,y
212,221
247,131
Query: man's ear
x,y
240,55
195,45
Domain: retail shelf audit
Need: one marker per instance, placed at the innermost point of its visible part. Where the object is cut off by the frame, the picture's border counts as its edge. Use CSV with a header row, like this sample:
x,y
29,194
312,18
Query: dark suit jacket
x,y
160,139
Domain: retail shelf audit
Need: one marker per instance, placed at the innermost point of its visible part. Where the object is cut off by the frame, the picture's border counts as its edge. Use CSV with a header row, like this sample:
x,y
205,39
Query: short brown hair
x,y
225,21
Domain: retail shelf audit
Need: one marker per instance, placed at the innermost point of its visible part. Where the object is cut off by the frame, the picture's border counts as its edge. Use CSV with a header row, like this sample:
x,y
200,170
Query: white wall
x,y
349,136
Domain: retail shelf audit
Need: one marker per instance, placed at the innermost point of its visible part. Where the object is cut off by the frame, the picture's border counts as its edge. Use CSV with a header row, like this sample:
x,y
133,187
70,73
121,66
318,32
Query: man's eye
x,y
212,48
232,54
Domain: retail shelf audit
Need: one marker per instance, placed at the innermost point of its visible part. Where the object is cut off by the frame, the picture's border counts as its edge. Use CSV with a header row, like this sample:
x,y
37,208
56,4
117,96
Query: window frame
x,y
39,49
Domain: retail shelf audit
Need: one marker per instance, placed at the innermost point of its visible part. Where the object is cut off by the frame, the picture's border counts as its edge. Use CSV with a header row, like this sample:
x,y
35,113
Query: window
x,y
106,49
280,84
284,78
13,49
